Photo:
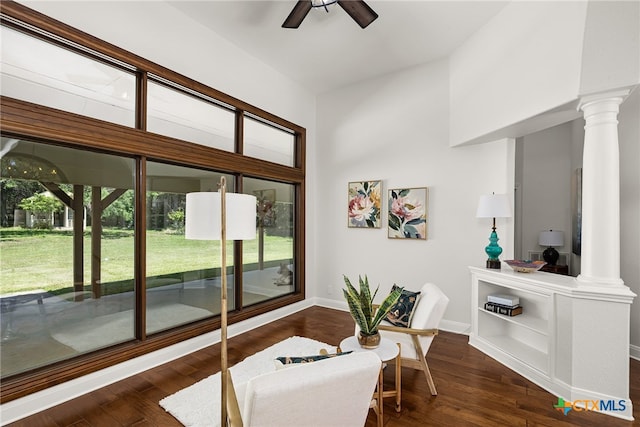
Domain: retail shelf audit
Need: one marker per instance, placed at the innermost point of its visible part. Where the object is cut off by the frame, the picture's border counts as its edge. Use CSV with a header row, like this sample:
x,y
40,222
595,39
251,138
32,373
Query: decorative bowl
x,y
525,266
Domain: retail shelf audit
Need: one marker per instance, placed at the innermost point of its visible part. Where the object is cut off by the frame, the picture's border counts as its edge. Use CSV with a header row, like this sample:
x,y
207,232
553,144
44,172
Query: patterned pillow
x,y
290,360
402,311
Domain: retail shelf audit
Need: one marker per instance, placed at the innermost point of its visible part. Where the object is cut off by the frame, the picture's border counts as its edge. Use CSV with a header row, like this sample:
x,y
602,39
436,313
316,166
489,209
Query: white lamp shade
x,y
551,238
202,221
494,206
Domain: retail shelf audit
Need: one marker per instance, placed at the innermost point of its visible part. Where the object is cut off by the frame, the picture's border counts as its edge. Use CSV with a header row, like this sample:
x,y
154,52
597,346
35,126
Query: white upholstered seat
x,y
330,392
416,340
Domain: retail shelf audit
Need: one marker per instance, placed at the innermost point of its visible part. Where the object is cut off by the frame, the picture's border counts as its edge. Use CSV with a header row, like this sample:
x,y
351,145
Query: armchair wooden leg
x,y
374,405
425,367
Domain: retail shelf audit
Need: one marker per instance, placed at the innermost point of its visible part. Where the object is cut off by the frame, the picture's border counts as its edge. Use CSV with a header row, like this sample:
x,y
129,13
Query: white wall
x,y
629,140
395,129
524,62
611,56
546,186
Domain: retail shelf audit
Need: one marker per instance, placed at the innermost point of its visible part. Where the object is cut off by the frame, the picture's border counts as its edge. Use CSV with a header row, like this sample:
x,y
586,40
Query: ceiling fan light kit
x,y
358,10
322,3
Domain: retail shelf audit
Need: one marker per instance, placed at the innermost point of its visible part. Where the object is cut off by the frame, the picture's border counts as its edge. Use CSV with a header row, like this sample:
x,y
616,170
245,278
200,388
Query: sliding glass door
x,y
268,261
183,276
67,248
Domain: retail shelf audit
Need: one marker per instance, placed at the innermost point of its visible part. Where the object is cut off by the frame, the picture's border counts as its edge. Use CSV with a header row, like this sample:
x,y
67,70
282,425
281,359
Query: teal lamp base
x,y
493,251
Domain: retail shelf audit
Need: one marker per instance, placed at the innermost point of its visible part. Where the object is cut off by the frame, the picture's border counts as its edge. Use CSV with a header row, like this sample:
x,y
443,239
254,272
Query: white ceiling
x,y
330,50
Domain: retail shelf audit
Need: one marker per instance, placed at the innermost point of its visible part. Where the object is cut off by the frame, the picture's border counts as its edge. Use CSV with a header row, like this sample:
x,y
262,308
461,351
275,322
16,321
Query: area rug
x,y
100,331
199,404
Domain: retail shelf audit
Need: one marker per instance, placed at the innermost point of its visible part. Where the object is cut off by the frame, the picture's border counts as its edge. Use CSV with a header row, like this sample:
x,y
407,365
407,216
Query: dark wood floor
x,y
474,390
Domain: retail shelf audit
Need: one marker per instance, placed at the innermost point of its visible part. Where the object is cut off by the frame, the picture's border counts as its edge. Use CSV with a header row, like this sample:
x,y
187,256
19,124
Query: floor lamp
x,y
221,216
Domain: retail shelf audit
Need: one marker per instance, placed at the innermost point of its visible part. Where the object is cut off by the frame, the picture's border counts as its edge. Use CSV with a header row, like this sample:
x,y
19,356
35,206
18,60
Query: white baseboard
x,y
455,327
634,352
615,410
445,325
331,303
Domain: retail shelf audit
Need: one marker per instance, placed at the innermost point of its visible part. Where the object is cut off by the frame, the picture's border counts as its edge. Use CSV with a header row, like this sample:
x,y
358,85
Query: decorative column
x,y
600,263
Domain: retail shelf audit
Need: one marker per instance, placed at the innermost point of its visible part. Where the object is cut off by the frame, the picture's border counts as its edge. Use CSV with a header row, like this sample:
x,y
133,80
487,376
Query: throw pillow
x,y
291,360
402,311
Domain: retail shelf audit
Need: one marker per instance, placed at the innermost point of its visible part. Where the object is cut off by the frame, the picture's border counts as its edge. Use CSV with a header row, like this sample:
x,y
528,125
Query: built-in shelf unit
x,y
550,342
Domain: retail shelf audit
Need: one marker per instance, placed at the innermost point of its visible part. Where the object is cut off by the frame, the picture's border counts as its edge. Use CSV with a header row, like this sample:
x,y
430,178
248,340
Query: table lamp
x,y
221,216
550,239
493,206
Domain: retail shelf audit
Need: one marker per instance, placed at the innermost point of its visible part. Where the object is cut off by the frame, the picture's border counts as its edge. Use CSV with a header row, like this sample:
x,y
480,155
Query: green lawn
x,y
42,259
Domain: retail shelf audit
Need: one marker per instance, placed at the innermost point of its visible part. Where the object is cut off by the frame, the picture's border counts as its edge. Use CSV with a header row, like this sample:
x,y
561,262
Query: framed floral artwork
x,y
364,204
408,213
576,211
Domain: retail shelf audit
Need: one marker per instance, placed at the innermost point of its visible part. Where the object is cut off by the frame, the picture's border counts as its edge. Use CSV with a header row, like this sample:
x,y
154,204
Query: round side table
x,y
387,350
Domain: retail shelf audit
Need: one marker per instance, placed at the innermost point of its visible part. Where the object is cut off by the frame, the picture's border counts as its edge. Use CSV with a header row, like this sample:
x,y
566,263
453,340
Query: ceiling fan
x,y
357,9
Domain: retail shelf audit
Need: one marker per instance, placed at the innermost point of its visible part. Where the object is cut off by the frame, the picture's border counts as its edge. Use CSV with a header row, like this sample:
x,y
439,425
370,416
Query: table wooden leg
x,y
380,398
399,380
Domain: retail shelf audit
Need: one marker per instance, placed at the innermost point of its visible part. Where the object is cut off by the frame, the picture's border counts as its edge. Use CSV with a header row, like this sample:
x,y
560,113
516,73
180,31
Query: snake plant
x,y
362,308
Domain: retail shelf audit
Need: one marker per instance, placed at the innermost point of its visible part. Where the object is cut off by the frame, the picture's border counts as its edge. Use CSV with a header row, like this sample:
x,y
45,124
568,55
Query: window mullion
x,y
141,100
140,262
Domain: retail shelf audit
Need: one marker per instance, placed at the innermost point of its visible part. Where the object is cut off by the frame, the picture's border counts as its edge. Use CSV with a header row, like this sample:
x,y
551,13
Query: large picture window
x,y
99,148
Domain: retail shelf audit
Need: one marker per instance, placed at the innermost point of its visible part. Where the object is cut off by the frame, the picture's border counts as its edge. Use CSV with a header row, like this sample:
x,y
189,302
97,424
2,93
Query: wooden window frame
x,y
21,119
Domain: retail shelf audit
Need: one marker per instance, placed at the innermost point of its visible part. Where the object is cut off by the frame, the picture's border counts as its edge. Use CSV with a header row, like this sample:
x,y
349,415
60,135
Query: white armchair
x,y
416,339
330,392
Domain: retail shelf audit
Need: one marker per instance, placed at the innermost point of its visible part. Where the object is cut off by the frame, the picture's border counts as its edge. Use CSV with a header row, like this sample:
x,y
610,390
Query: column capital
x,y
617,96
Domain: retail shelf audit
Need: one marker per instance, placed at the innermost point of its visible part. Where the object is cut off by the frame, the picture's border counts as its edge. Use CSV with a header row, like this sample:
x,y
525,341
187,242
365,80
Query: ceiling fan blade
x,y
359,11
297,15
